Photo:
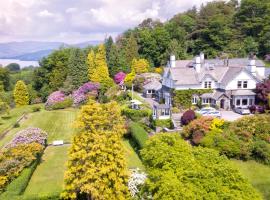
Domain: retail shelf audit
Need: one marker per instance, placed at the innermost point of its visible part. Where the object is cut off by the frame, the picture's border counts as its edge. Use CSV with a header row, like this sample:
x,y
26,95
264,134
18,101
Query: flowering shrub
x,y
28,136
55,97
14,160
80,95
119,77
136,179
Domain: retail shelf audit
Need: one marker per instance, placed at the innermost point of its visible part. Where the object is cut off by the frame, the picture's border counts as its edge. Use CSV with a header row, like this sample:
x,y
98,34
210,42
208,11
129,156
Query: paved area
x,y
230,115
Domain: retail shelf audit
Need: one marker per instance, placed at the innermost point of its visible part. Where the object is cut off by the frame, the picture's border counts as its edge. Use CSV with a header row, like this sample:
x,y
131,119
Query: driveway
x,y
230,115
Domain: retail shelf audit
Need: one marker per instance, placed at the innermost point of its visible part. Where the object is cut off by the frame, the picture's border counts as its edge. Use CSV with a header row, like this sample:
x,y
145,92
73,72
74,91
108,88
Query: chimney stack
x,y
202,57
172,61
252,65
198,64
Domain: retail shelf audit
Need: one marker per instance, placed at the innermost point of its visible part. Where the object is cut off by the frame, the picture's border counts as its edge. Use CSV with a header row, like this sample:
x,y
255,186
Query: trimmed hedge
x,y
164,123
139,135
18,186
63,104
135,115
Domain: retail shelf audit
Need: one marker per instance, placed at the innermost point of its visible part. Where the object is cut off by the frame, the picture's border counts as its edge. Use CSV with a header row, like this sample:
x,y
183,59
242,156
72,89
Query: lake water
x,y
5,62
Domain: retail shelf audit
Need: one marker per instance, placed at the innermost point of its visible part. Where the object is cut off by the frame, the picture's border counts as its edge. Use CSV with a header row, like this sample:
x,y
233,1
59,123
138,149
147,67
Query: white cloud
x,y
80,20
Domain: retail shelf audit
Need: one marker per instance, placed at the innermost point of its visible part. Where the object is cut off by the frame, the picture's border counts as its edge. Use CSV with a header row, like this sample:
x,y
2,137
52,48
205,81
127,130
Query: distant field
x,y
48,178
258,174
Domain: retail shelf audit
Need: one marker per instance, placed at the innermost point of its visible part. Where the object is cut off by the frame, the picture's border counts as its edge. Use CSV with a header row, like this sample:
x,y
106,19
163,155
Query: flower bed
x,y
26,147
55,98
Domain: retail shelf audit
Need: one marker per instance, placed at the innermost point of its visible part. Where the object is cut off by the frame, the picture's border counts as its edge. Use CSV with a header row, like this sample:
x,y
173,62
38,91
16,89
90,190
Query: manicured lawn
x,y
15,114
48,178
258,174
133,159
58,124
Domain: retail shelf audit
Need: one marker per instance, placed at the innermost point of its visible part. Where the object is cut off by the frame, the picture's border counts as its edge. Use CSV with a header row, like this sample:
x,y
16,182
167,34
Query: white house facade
x,y
232,80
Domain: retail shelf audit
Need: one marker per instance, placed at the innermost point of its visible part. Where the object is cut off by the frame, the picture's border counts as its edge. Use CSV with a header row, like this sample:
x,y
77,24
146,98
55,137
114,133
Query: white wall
x,y
243,76
209,78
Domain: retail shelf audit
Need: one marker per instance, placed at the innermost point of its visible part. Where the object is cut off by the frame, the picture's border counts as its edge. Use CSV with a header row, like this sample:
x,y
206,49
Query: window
x,y
194,100
207,84
245,84
244,102
250,101
242,84
239,84
167,111
238,102
206,101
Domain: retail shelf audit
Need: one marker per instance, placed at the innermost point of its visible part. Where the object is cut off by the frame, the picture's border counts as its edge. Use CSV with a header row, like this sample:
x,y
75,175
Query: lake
x,y
5,62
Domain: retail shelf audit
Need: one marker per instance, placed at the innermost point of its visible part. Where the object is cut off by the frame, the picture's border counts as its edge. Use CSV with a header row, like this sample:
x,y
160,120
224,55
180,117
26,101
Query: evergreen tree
x,y
91,64
77,68
100,72
131,49
21,95
97,167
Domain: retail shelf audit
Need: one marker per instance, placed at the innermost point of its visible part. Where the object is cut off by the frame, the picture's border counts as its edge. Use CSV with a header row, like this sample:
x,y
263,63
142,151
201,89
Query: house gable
x,y
243,75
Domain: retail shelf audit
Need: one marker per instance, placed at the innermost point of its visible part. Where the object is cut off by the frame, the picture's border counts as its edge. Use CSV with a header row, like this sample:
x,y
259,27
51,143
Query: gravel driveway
x,y
230,115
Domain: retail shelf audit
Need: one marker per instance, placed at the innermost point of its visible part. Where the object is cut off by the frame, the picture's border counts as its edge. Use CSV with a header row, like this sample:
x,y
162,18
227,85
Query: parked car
x,y
212,113
205,110
256,109
242,111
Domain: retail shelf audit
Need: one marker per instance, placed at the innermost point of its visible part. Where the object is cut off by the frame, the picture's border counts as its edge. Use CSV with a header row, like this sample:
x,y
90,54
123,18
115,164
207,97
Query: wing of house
x,y
232,80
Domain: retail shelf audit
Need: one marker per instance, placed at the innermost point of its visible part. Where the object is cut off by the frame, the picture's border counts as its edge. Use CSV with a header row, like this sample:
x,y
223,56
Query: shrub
x,y
36,109
119,77
81,94
196,129
165,123
135,115
187,117
175,110
16,125
6,117
55,97
63,104
14,160
28,136
139,135
18,186
261,151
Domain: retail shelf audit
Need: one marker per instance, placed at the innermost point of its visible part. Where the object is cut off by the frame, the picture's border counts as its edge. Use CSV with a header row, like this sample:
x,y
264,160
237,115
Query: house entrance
x,y
222,103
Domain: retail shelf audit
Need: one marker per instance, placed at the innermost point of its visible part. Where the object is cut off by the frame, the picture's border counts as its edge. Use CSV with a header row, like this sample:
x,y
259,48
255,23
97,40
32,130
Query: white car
x,y
205,110
215,113
242,111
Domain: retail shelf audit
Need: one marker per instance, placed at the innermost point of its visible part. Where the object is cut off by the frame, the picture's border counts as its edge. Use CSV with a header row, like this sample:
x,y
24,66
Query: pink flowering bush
x,y
119,77
27,136
54,98
80,95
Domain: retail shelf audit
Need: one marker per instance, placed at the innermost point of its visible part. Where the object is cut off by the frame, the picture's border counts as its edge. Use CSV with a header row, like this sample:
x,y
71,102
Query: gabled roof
x,y
183,76
237,62
153,85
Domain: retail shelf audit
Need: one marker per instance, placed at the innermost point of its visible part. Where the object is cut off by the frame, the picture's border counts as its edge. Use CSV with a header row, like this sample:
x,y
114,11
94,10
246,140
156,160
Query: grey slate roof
x,y
153,85
184,76
235,62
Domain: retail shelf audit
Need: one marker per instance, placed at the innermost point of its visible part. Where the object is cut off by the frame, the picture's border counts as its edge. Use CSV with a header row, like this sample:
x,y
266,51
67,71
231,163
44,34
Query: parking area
x,y
230,115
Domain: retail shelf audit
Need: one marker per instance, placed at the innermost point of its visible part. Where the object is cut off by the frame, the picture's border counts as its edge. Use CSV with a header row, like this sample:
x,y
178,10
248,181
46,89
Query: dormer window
x,y
207,84
245,84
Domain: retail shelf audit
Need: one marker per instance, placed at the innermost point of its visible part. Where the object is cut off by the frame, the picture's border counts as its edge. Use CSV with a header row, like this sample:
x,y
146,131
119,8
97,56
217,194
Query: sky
x,y
74,21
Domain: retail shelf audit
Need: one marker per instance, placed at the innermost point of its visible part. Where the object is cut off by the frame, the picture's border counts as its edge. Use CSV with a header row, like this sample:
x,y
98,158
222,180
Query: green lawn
x,y
48,178
15,114
58,124
258,174
133,159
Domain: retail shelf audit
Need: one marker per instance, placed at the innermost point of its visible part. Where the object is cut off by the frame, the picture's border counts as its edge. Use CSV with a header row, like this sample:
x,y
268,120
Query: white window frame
x,y
208,84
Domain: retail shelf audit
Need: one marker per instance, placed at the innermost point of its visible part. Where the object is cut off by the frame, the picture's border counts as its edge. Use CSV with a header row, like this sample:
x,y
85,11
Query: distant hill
x,y
31,50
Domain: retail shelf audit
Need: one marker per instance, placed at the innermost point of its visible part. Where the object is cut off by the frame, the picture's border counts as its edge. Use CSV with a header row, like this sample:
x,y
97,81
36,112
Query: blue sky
x,y
75,21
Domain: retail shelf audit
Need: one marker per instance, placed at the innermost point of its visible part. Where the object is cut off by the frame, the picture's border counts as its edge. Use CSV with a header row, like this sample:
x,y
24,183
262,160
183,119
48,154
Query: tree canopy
x,y
178,171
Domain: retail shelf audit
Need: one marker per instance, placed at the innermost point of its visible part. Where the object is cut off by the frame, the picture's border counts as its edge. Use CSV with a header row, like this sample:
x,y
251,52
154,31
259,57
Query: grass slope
x,y
258,174
48,178
133,159
58,124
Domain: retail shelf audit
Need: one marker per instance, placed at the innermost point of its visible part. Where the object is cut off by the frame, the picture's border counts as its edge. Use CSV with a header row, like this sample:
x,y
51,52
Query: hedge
x,y
139,135
164,123
135,115
18,186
